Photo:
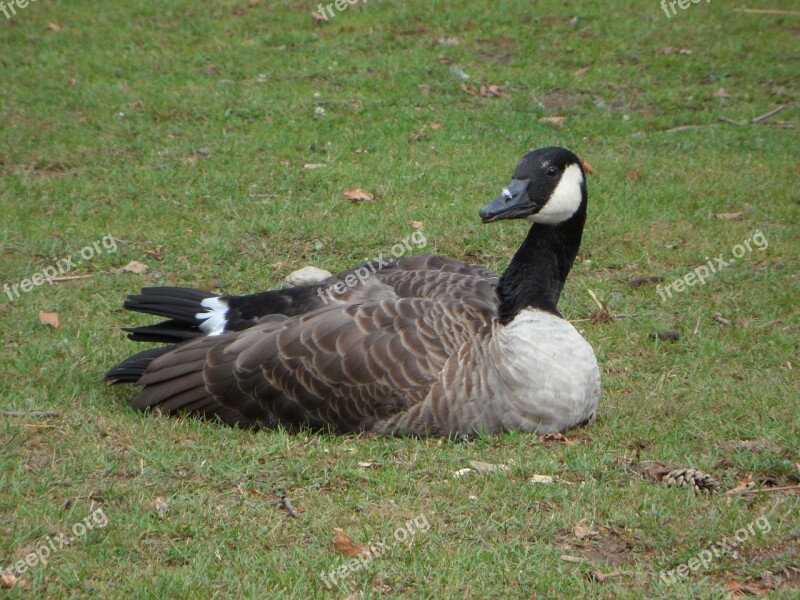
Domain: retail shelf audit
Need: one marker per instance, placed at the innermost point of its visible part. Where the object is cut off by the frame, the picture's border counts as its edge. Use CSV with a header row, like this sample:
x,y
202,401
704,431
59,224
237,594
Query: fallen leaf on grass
x,y
358,195
588,167
7,580
451,41
557,437
343,544
485,91
729,216
318,18
554,120
542,479
745,483
436,125
736,589
135,267
314,166
416,224
721,93
581,532
53,27
466,472
580,71
49,318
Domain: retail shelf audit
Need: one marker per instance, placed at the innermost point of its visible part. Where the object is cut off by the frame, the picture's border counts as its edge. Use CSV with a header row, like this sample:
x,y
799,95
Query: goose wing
x,y
344,367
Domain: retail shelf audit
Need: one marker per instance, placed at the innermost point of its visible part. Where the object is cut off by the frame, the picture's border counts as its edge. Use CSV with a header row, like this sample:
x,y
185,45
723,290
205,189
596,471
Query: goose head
x,y
548,187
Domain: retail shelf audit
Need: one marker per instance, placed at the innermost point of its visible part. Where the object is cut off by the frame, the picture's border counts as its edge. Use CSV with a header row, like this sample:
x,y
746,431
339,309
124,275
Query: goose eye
x,y
552,171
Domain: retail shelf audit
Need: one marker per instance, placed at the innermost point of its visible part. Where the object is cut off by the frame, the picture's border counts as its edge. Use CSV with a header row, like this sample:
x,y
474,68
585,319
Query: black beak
x,y
512,203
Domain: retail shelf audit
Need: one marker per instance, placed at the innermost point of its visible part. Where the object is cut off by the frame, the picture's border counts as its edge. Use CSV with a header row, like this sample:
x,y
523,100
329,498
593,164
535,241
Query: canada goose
x,y
424,345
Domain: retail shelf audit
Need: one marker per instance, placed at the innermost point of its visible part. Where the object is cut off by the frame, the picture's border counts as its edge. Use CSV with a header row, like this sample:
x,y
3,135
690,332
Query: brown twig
x,y
786,488
769,114
768,11
731,121
39,414
686,128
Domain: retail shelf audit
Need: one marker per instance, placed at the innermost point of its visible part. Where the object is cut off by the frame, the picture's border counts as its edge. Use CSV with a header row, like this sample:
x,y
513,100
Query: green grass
x,y
182,130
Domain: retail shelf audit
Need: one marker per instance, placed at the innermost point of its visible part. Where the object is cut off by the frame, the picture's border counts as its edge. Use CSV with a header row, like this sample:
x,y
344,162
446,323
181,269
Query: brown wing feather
x,y
343,366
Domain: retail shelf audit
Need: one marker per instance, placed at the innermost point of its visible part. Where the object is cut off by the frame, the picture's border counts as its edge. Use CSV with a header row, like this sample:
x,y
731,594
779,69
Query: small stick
x,y
771,113
731,121
686,128
767,11
40,414
284,502
787,488
72,277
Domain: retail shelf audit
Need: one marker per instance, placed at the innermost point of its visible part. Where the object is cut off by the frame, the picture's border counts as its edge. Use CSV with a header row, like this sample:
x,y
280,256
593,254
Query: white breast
x,y
548,379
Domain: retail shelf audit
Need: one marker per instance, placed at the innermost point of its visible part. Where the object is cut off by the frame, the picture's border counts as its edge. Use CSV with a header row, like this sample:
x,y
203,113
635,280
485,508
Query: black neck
x,y
536,274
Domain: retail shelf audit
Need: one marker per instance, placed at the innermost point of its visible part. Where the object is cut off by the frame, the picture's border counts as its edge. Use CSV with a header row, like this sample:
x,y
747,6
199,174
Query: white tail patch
x,y
565,199
213,320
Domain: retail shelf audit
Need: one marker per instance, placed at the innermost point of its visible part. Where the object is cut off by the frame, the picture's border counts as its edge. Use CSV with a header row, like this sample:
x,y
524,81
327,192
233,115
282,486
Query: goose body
x,y
423,345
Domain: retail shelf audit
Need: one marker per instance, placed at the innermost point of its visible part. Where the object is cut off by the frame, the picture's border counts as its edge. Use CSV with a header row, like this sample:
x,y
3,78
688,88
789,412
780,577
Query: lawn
x,y
214,142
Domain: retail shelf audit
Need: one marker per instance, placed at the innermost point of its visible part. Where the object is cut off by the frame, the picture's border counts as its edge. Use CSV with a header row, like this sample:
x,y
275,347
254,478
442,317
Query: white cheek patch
x,y
565,199
506,194
213,320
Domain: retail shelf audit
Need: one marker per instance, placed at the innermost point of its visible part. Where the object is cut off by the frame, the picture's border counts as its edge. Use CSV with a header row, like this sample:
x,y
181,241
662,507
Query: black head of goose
x,y
421,345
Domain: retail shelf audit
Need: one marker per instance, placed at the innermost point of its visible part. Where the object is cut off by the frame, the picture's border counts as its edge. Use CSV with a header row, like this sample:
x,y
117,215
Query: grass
x,y
182,130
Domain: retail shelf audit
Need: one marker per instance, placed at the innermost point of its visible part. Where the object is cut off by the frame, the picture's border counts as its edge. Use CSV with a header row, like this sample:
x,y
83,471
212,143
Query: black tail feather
x,y
166,332
181,304
132,368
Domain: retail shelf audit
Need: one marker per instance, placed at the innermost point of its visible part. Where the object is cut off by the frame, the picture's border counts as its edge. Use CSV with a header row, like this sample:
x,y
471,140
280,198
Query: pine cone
x,y
698,480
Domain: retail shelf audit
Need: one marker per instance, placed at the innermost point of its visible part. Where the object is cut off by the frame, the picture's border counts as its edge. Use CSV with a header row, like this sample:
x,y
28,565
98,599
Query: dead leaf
x,y
49,318
314,166
53,27
318,18
436,125
485,91
557,437
721,93
366,465
7,580
588,168
736,589
343,544
580,71
483,468
582,532
730,216
554,120
424,88
667,51
135,267
416,224
358,195
451,41
745,483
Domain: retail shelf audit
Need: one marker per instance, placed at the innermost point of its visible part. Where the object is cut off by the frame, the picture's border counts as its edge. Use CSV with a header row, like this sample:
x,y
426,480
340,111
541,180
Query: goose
x,y
421,345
